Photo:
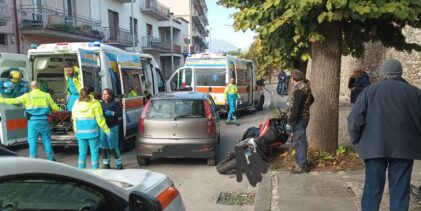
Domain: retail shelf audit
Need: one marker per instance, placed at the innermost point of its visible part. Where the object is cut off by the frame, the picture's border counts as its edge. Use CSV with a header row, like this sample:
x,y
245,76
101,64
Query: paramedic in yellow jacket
x,y
231,95
74,84
38,106
88,119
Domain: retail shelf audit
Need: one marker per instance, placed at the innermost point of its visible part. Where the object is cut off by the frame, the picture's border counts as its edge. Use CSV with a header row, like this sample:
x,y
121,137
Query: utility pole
x,y
132,23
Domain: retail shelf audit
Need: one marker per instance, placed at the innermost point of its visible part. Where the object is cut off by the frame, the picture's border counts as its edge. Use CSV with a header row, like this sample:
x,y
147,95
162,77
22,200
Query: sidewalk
x,y
320,191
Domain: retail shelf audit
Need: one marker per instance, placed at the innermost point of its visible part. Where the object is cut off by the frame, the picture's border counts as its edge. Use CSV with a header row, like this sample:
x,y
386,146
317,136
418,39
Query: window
x,y
171,108
174,82
242,77
68,7
161,83
91,78
133,82
50,194
210,76
149,29
135,28
3,39
113,23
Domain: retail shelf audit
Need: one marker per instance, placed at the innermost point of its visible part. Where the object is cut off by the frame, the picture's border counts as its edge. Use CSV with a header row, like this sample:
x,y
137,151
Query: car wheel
x,y
143,161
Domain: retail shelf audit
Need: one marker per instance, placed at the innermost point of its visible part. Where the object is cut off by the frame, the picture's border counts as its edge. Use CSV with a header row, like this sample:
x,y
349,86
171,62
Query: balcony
x,y
118,37
52,22
150,43
4,14
176,48
155,9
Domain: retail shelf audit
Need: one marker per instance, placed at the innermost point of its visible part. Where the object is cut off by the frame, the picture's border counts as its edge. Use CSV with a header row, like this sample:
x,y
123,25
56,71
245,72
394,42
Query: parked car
x,y
36,184
178,124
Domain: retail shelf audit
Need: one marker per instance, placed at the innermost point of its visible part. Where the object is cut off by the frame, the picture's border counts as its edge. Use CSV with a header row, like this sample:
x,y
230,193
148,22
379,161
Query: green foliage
x,y
265,60
290,27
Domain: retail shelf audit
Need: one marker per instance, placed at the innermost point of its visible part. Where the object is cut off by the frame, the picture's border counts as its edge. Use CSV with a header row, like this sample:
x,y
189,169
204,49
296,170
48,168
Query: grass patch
x,y
345,159
235,198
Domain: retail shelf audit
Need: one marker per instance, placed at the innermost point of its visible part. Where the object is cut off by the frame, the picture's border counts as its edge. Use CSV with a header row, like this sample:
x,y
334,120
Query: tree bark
x,y
325,81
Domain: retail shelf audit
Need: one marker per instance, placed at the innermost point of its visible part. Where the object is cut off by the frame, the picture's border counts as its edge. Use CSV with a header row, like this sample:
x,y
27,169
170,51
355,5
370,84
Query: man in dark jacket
x,y
298,116
385,127
357,82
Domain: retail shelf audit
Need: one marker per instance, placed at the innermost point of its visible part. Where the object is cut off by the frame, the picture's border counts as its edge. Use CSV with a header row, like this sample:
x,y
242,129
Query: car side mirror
x,y
139,201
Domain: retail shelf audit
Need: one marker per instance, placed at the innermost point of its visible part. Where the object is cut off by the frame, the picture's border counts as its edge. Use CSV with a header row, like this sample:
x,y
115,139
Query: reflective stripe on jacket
x,y
88,119
38,104
75,78
231,89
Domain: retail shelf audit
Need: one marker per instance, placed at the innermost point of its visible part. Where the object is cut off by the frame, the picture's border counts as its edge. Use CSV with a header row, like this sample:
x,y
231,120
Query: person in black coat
x,y
385,127
357,82
112,111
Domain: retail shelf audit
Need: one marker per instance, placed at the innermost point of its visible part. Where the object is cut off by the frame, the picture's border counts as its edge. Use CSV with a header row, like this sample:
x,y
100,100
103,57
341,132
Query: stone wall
x,y
374,56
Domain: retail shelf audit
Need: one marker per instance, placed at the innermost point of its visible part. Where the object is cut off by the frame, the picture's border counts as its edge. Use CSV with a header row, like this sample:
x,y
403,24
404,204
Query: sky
x,y
220,26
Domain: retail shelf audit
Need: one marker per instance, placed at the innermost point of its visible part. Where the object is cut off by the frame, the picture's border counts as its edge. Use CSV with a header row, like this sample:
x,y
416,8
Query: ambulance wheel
x,y
261,102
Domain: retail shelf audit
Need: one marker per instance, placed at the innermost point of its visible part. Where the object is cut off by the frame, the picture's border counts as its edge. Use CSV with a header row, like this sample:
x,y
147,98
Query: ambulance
x,y
13,123
210,73
101,66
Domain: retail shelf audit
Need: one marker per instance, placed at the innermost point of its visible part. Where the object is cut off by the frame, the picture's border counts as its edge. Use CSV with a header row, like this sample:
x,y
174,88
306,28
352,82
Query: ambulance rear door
x,y
13,123
89,68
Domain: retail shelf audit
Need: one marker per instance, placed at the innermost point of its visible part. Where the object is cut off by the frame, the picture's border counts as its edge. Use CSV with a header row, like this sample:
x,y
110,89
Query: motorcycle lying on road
x,y
270,135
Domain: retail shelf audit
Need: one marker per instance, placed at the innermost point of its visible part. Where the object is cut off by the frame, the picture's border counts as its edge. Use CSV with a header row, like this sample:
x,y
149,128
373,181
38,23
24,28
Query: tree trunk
x,y
325,81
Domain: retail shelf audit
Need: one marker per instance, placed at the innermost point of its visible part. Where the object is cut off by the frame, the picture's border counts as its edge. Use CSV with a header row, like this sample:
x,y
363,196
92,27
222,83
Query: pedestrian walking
x,y
38,106
282,78
73,83
385,127
357,82
112,111
298,116
231,96
88,119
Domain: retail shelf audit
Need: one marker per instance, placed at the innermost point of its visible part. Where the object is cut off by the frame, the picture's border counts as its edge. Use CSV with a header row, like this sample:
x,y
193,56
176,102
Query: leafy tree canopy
x,y
290,26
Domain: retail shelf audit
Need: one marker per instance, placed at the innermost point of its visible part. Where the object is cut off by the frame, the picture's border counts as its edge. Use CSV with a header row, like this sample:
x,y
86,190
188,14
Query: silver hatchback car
x,y
178,125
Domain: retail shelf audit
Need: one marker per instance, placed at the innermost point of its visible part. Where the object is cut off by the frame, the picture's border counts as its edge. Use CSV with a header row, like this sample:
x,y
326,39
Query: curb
x,y
264,193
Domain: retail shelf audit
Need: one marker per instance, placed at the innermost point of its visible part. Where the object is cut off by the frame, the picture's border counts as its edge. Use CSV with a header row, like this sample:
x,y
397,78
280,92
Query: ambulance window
x,y
133,83
161,83
115,80
242,77
210,76
91,78
174,82
146,67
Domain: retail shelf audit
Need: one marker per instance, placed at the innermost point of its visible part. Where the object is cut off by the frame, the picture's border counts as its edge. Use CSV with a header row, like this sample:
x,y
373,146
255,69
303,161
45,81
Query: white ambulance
x,y
101,66
210,73
13,123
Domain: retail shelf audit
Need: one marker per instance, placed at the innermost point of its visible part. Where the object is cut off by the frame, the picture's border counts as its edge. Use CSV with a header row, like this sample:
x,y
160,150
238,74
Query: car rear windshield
x,y
210,76
175,108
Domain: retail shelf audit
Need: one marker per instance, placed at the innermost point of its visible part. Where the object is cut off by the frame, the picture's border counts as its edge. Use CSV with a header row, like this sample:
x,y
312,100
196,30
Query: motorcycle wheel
x,y
226,165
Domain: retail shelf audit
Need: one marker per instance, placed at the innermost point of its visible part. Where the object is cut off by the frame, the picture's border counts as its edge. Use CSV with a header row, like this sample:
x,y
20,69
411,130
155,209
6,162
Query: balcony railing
x,y
154,43
156,10
118,36
36,18
4,14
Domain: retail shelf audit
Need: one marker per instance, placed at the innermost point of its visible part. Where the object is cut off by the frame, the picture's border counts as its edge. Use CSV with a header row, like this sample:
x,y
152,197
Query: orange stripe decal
x,y
15,124
202,89
134,103
218,89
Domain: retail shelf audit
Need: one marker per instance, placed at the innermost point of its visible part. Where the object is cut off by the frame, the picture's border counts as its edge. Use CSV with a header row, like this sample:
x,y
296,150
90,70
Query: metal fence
x,y
122,36
151,42
157,7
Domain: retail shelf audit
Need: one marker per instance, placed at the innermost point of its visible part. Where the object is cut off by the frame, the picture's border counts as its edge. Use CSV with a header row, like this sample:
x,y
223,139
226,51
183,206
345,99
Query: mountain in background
x,y
221,46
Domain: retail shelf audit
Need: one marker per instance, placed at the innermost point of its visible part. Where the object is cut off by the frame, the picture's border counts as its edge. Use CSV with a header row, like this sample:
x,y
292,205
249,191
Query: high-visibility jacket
x,y
231,89
38,104
132,94
75,78
88,118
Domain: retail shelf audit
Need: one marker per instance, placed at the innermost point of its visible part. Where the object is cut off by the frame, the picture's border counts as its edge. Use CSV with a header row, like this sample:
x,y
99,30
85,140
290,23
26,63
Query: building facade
x,y
8,39
195,12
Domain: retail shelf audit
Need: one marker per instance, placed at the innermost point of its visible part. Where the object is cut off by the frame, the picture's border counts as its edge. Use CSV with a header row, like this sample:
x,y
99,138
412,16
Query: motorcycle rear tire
x,y
226,165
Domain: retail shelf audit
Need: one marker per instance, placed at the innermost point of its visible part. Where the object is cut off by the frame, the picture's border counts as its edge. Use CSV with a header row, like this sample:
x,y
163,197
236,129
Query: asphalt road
x,y
199,184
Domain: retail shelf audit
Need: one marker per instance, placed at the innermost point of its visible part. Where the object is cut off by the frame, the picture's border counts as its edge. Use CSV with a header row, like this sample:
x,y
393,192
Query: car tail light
x,y
211,125
167,196
142,117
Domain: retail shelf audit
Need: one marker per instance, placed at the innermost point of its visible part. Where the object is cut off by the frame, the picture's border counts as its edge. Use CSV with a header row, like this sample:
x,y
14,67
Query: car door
x,y
13,123
181,80
56,193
